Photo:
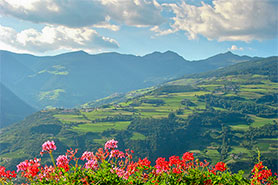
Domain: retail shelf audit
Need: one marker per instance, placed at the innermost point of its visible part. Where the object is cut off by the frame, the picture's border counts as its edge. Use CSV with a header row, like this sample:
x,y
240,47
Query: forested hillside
x,y
227,115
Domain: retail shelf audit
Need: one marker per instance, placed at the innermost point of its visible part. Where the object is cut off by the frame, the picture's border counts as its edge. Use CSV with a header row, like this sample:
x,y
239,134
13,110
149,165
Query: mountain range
x,y
50,81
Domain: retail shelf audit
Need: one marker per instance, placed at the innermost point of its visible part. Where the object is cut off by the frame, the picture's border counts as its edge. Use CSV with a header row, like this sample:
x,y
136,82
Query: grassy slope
x,y
77,124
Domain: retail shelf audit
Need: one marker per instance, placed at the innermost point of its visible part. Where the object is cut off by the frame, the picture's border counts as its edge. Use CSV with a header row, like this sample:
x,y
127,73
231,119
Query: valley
x,y
229,114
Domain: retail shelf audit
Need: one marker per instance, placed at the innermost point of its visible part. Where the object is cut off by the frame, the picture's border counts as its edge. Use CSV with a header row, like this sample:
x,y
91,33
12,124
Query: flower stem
x,y
52,159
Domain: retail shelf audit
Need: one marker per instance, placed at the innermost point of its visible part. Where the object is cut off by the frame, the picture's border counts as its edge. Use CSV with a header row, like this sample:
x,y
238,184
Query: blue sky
x,y
192,28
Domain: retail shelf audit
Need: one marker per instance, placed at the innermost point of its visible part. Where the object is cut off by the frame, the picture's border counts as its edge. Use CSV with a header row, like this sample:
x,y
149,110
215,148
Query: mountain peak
x,y
167,54
229,53
221,56
170,52
80,52
76,53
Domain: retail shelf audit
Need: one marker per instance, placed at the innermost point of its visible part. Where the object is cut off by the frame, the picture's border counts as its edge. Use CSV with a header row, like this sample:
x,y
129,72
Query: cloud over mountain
x,y
235,47
55,37
95,25
70,24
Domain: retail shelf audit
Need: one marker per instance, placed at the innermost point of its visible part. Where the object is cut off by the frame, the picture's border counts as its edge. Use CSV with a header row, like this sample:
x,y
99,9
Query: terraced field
x,y
101,126
139,107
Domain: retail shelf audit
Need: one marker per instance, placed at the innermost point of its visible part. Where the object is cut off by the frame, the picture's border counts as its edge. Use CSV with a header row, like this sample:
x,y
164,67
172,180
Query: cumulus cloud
x,y
54,38
135,12
71,24
72,13
234,48
226,20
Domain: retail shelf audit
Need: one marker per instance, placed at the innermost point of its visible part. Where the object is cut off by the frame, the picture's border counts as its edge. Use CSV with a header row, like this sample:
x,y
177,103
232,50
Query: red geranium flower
x,y
220,166
187,156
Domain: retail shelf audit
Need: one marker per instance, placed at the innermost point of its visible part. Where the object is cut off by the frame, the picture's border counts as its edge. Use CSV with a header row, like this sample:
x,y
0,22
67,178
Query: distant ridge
x,y
258,66
74,53
52,80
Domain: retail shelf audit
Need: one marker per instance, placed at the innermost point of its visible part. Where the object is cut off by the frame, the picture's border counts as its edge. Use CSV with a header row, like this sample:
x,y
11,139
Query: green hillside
x,y
226,115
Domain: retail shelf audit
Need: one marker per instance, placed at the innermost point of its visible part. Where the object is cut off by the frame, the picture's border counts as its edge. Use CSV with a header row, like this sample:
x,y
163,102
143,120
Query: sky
x,y
194,29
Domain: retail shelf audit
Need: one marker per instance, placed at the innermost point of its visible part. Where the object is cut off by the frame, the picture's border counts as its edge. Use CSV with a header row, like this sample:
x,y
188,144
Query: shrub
x,y
111,166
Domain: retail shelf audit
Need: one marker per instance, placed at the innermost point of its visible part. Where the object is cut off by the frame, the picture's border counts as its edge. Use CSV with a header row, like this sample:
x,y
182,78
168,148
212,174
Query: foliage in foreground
x,y
111,166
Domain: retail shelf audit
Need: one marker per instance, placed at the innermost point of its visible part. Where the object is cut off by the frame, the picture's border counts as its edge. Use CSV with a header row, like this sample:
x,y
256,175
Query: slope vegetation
x,y
227,115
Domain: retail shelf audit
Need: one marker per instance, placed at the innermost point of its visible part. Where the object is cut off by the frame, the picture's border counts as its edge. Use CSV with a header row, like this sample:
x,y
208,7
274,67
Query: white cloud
x,y
160,32
234,48
70,24
226,20
134,12
108,26
26,4
54,38
69,13
84,13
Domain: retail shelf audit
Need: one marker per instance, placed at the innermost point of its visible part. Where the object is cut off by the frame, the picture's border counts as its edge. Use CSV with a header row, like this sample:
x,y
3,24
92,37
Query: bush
x,y
111,166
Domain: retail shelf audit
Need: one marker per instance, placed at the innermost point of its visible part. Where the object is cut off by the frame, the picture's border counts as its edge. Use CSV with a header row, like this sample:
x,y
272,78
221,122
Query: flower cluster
x,y
5,175
144,163
48,146
117,154
91,164
111,144
47,173
260,174
111,166
121,172
87,156
161,165
29,168
220,166
63,162
187,156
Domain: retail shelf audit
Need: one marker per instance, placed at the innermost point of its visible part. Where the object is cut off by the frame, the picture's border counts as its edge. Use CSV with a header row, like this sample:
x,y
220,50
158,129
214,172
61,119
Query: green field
x,y
240,127
69,118
213,155
258,121
101,126
236,149
137,136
